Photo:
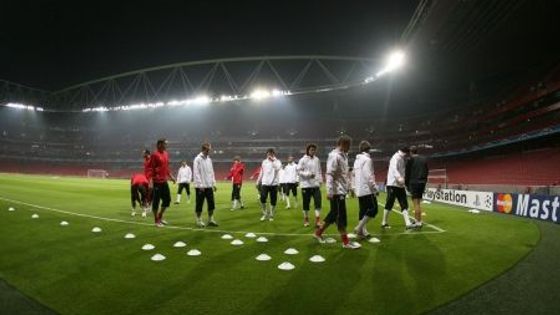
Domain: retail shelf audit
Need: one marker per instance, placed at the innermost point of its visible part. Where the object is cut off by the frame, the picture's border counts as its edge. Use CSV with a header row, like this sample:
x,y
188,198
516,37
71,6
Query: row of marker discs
x,y
238,242
196,252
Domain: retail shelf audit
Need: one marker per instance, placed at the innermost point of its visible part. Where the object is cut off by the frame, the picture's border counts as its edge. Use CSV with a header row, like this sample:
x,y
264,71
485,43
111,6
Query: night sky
x,y
53,44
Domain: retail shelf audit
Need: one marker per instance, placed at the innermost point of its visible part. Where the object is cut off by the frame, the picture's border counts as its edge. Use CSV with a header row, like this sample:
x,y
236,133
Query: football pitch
x,y
71,270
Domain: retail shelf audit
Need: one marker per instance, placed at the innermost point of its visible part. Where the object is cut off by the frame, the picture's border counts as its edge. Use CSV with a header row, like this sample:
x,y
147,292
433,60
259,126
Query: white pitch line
x,y
188,228
438,229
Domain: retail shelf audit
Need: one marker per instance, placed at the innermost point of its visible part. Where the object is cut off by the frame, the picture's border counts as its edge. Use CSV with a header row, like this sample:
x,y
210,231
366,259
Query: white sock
x,y
272,209
264,210
305,214
178,198
317,213
211,218
288,201
362,224
234,204
405,216
385,216
241,202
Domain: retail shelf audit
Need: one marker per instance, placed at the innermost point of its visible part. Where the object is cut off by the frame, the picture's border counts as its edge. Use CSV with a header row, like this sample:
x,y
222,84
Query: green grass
x,y
73,271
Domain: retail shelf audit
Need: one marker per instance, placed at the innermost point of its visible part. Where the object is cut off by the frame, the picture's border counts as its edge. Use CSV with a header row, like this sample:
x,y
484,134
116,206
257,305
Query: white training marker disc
x,y
250,235
64,223
351,235
227,237
330,240
35,216
148,247
194,252
158,257
129,236
358,245
11,209
179,244
263,257
317,259
262,239
236,242
474,211
291,251
96,230
374,240
286,266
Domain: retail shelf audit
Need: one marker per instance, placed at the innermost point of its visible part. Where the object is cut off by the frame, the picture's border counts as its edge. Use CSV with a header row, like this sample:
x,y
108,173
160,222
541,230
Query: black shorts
x,y
337,213
269,190
185,186
291,188
236,192
417,190
308,193
204,194
398,193
138,193
368,206
160,192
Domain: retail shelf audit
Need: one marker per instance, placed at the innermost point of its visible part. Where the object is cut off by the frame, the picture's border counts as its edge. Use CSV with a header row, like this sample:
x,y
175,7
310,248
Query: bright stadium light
x,y
259,94
23,106
395,60
201,100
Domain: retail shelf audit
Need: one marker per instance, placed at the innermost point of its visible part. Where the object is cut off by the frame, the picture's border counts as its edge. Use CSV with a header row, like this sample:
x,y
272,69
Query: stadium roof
x,y
458,49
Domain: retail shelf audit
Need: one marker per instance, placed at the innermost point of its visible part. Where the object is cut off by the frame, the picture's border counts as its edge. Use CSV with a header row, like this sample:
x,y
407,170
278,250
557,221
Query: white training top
x,y
337,173
364,176
269,172
396,170
307,167
184,175
290,173
282,176
203,172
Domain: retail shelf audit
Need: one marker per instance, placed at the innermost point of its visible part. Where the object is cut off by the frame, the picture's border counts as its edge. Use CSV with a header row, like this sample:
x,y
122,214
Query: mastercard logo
x,y
504,203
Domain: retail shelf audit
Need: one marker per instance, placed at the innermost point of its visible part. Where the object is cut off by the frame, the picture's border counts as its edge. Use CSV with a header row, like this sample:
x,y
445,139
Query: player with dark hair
x,y
337,189
184,179
365,188
268,179
159,169
309,171
139,193
205,185
236,176
415,181
395,187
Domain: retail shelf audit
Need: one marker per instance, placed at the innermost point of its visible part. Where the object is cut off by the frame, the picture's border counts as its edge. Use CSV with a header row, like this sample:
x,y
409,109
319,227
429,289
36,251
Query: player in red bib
x,y
139,193
236,176
159,162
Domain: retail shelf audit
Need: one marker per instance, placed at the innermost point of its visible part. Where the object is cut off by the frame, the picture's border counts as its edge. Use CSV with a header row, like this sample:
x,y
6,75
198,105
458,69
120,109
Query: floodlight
x,y
260,94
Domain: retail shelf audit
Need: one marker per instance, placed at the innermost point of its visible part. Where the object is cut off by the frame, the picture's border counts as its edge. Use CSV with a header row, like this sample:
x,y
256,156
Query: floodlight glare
x,y
260,94
395,60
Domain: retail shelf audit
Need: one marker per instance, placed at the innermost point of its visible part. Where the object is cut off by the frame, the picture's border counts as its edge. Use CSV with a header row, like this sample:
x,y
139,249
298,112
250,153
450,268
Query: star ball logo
x,y
504,203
